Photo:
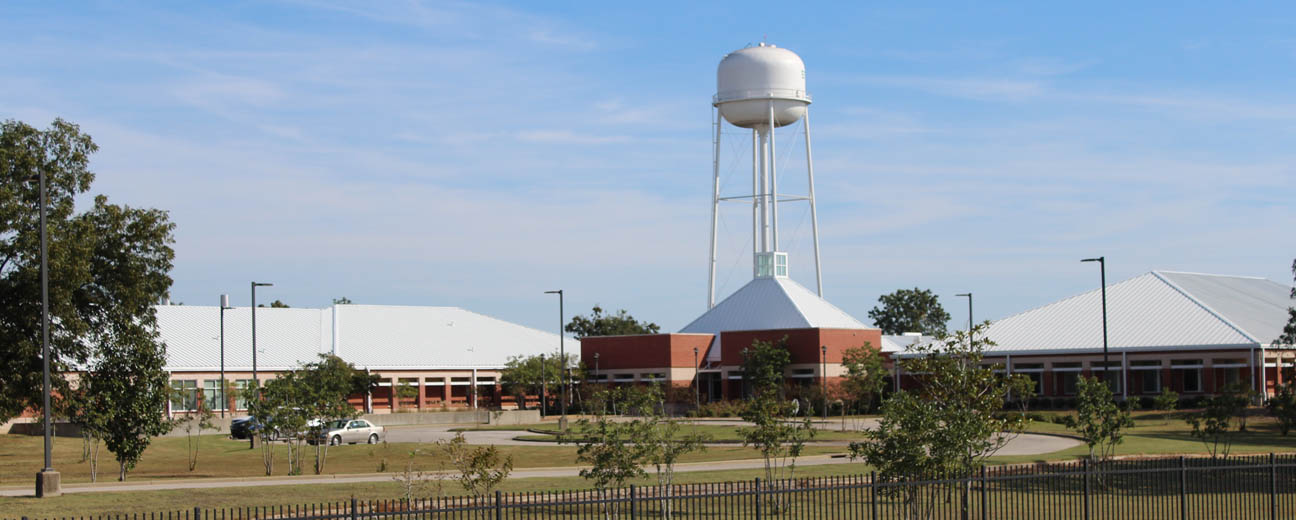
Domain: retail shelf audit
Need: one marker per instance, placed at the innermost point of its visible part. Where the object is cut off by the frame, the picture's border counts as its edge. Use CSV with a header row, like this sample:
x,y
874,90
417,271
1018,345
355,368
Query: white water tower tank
x,y
749,79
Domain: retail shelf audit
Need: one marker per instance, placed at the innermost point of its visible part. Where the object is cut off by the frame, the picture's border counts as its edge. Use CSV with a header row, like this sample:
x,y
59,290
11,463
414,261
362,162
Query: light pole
x,y
562,355
596,368
224,305
697,381
544,384
969,297
823,378
48,481
255,381
1102,270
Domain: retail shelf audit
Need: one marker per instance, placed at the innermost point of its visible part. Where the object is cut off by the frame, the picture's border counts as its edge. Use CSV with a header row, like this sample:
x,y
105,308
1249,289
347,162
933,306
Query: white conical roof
x,y
770,303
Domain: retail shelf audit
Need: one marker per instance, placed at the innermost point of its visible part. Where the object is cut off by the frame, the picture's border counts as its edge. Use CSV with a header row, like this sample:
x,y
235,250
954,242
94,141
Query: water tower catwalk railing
x,y
764,196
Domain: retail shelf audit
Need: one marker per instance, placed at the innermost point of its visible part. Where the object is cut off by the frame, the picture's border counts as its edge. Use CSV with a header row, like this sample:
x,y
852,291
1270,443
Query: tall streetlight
x,y
1102,269
544,384
969,297
697,381
254,349
823,379
224,305
48,481
562,354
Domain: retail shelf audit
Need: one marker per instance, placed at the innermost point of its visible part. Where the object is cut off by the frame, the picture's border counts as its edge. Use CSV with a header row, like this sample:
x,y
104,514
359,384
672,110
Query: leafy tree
x,y
763,365
599,324
910,310
325,386
950,424
193,425
865,375
663,440
527,375
1211,424
84,409
1288,336
613,450
128,379
480,468
107,267
1099,420
1283,407
277,304
1166,401
342,301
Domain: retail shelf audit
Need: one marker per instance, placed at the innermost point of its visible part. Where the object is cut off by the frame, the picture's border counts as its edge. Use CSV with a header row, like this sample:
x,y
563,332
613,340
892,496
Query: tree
x,y
325,386
910,310
1288,336
1211,424
277,304
664,441
527,375
1099,420
193,425
950,424
1166,401
107,267
342,301
599,324
763,365
481,468
865,375
128,378
1283,407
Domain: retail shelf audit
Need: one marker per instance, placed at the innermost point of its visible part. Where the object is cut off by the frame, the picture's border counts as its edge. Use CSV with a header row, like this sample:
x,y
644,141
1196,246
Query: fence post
x,y
632,502
966,513
758,498
873,491
985,494
499,505
353,508
197,513
1086,488
1183,487
1273,487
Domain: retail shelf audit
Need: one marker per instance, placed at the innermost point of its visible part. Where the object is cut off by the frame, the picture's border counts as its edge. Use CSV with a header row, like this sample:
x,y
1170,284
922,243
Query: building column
x,y
392,399
472,388
1124,377
445,392
1208,376
422,394
1167,377
1264,385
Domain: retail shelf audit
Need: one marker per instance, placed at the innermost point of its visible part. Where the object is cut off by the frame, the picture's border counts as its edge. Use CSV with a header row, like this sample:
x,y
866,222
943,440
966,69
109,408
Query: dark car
x,y
244,427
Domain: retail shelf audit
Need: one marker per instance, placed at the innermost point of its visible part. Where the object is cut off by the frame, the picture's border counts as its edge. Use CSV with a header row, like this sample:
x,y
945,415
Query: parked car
x,y
244,427
351,431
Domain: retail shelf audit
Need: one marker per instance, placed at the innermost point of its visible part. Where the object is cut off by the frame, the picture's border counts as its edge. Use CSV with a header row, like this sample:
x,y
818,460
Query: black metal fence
x,y
1247,487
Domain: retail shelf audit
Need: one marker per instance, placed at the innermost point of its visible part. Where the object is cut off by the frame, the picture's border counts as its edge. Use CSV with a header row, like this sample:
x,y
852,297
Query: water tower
x,y
762,88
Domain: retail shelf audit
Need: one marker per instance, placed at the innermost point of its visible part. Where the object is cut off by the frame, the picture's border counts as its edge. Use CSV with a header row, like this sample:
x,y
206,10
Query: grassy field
x,y
716,433
1153,434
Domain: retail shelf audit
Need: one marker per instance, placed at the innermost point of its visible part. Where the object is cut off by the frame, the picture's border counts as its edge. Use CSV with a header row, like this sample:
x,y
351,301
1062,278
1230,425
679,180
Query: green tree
x,y
865,375
1166,402
1211,424
342,301
193,424
107,266
612,449
480,468
128,378
763,365
663,440
277,304
950,424
527,375
1288,336
599,324
1282,406
325,387
910,310
1099,420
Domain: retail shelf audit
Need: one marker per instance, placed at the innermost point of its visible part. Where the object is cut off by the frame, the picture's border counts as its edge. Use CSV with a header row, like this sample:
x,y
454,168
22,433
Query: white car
x,y
351,432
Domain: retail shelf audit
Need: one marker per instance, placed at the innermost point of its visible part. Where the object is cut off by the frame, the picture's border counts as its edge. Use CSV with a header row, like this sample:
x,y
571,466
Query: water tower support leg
x,y
715,210
814,218
773,157
755,200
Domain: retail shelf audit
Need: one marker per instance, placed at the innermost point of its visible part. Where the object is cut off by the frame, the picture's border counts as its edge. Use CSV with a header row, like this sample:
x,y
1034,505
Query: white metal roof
x,y
770,303
1157,310
373,336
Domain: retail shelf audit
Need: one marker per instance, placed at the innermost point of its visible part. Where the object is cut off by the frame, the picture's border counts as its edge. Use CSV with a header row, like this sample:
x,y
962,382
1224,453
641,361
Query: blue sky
x,y
477,154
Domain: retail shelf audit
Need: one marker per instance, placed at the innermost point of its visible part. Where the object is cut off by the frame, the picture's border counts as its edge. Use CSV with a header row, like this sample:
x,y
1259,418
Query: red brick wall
x,y
644,351
803,344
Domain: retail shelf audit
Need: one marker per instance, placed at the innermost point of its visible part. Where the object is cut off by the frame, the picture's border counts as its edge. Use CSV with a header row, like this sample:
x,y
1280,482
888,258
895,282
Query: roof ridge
x,y
801,312
825,301
1205,307
1210,274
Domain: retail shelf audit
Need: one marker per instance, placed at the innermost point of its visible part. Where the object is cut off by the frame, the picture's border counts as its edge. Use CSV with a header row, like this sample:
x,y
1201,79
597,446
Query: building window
x,y
1038,380
1192,380
1067,382
243,393
184,395
212,395
1151,381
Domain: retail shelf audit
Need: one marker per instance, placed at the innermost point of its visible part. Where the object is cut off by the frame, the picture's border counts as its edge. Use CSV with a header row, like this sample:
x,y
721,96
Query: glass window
x,y
780,264
184,395
1151,381
763,267
1038,379
1067,382
1192,380
243,394
212,395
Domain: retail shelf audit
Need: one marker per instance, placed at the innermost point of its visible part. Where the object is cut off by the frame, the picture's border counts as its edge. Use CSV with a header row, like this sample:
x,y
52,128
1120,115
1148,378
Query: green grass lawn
x,y
716,433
